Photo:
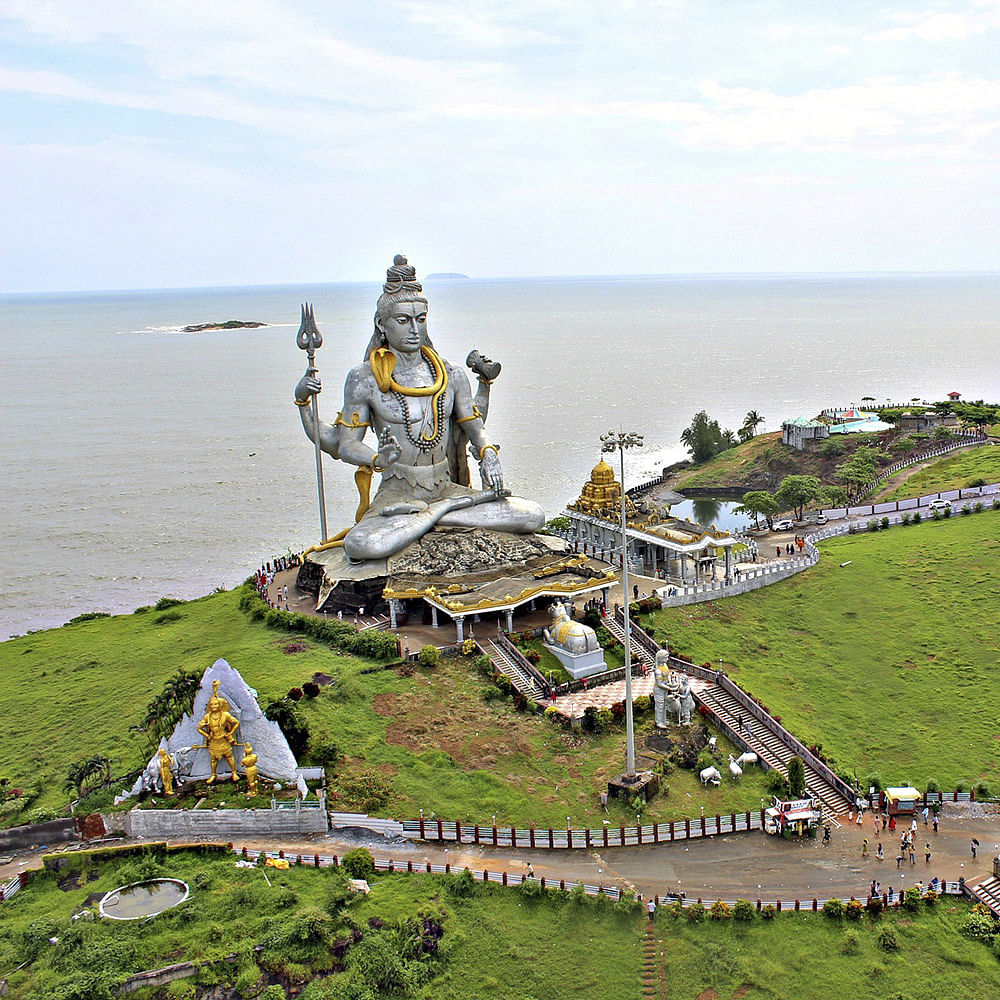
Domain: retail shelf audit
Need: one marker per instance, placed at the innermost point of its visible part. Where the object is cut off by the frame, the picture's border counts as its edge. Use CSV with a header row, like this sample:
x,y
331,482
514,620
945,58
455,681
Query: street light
x,y
612,441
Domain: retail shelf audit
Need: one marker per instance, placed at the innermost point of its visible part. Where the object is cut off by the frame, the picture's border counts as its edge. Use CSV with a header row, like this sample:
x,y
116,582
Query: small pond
x,y
143,899
709,511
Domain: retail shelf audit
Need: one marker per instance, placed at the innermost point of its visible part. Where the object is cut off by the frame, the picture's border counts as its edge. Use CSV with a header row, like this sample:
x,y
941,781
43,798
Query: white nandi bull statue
x,y
574,637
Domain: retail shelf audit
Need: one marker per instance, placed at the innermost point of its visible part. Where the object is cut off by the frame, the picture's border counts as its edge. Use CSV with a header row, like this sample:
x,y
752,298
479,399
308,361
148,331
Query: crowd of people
x,y
264,577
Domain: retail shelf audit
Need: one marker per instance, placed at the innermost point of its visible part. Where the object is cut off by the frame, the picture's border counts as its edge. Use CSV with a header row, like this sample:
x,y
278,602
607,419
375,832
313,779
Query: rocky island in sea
x,y
230,324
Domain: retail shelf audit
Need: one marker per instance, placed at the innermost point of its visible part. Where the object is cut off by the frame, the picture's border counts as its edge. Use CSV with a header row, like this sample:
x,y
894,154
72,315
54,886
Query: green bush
x,y
720,910
743,910
484,665
911,899
429,656
358,863
904,518
887,939
695,913
325,754
931,785
854,909
626,904
849,943
767,912
884,523
463,885
774,782
834,909
917,517
983,790
167,602
978,926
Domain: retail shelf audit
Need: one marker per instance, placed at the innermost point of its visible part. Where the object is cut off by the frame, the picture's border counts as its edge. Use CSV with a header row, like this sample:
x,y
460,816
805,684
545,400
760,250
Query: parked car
x,y
940,505
819,519
785,525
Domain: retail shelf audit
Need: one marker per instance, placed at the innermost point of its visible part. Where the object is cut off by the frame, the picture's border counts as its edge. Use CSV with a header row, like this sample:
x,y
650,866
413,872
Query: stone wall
x,y
55,831
225,824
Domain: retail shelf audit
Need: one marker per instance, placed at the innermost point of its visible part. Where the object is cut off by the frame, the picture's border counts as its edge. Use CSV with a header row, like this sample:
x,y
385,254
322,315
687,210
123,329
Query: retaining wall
x,y
224,823
53,832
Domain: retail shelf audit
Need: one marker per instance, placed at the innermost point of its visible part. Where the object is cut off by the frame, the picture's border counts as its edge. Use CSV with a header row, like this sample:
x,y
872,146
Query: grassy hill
x,y
890,661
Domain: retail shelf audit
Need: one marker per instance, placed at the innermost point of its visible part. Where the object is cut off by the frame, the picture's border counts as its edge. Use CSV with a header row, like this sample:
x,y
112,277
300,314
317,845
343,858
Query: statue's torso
x,y
410,418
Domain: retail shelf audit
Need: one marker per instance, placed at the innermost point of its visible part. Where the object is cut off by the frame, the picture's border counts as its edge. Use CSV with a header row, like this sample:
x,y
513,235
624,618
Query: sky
x,y
168,143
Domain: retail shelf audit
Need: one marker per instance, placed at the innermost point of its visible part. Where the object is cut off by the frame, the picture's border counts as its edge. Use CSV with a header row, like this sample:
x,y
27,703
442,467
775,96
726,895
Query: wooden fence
x,y
604,836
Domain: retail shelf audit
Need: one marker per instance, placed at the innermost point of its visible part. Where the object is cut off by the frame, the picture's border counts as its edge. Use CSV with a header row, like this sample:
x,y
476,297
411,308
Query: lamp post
x,y
620,440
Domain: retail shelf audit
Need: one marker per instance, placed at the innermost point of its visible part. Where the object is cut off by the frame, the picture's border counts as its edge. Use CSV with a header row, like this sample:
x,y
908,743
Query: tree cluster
x,y
704,437
794,494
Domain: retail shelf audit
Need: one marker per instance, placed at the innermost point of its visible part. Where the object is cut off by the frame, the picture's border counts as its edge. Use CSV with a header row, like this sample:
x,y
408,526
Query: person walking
x,y
864,848
975,847
927,853
878,852
935,822
826,835
924,814
913,855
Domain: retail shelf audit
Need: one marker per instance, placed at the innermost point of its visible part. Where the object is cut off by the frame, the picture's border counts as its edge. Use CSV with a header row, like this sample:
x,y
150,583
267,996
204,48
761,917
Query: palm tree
x,y
82,771
751,422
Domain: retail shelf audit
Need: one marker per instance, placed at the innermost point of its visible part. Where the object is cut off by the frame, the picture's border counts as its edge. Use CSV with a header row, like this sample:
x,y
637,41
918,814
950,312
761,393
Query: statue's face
x,y
405,328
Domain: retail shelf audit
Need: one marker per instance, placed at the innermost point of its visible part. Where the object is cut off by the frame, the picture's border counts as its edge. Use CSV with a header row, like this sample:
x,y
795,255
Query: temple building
x,y
659,545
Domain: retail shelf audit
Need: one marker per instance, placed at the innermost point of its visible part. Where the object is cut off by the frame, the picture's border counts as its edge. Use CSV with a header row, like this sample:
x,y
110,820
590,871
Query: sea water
x,y
140,461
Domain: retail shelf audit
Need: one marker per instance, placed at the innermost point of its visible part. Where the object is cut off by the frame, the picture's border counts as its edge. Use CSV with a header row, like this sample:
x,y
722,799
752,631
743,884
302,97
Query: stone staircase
x,y
652,974
768,747
637,648
378,623
509,667
988,893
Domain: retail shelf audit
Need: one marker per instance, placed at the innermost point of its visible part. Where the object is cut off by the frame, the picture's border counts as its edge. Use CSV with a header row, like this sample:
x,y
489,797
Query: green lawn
x,y
807,956
892,662
496,943
74,691
951,473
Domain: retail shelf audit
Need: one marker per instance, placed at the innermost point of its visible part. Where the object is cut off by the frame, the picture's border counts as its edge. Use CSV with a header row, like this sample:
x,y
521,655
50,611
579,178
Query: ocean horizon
x,y
143,462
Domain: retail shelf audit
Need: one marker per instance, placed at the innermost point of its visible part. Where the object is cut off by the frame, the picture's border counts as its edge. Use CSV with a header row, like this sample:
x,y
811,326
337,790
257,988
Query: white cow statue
x,y
734,769
746,759
574,637
710,775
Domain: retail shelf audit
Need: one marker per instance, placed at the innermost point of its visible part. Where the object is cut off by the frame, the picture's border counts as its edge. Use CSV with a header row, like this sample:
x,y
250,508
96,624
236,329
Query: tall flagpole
x,y
309,339
619,441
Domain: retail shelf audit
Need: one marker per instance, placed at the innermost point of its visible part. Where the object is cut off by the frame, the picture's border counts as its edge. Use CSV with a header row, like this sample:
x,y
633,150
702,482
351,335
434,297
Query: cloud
x,y
936,25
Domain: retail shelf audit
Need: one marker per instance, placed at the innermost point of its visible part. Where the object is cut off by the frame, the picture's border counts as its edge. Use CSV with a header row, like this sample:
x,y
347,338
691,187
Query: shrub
x,y
853,909
946,512
468,647
326,754
982,790
695,913
484,665
627,903
796,776
996,504
167,602
310,689
905,517
369,790
767,912
642,703
917,517
966,510
873,525
743,910
834,909
492,694
774,782
978,507
874,906
358,863
551,711
976,483
887,939
578,894
911,899
849,944
720,910
295,728
874,780
294,694
167,617
931,785
930,897
429,656
979,927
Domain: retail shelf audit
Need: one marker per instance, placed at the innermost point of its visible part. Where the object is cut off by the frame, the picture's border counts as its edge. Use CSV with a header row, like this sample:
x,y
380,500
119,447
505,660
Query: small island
x,y
447,275
230,324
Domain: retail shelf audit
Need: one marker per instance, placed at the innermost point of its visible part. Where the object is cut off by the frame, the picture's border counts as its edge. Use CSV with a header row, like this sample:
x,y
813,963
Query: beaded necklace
x,y
421,441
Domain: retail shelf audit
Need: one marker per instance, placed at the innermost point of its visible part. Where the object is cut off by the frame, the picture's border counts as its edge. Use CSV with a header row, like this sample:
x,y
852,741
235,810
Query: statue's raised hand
x,y
388,450
308,385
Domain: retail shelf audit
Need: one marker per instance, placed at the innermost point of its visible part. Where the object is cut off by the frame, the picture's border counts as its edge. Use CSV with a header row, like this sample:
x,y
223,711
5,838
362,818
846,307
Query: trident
x,y
309,338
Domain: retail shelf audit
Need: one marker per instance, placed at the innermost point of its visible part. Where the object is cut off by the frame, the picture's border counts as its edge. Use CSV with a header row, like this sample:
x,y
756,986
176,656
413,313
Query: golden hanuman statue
x,y
219,729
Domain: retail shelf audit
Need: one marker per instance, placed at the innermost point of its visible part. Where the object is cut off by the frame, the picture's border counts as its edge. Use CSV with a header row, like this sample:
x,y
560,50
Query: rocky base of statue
x,y
680,745
459,560
643,784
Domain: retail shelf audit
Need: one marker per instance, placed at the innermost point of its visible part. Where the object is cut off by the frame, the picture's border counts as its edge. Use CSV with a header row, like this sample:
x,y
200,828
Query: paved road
x,y
750,865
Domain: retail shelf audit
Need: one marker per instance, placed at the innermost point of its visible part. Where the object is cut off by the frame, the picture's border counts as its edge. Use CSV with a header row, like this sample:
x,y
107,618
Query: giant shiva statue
x,y
423,415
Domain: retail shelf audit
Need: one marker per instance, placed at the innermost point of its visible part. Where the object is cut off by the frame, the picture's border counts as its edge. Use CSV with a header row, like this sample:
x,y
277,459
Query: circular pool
x,y
143,899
